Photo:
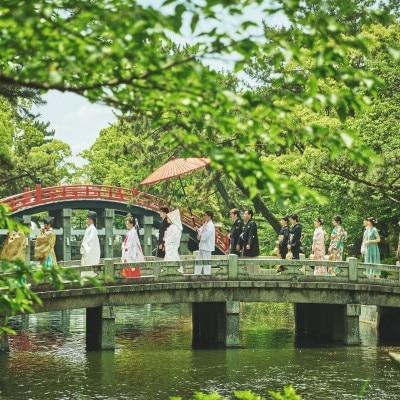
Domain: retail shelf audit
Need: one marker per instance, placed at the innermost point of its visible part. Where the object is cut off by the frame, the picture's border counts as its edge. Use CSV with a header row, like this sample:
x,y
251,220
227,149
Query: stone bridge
x,y
327,308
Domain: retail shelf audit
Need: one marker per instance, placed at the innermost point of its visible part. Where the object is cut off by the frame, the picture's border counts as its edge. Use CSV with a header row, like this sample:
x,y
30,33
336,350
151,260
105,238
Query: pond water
x,y
154,359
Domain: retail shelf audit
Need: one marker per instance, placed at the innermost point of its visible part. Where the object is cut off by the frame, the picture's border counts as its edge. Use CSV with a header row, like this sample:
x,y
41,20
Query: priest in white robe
x,y
90,246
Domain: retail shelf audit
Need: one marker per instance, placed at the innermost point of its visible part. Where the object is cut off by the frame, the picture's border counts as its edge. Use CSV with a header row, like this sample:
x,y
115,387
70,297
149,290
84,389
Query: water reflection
x,y
154,359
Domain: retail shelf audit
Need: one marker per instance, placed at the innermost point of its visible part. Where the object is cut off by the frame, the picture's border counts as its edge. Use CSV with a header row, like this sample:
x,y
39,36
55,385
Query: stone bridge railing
x,y
232,268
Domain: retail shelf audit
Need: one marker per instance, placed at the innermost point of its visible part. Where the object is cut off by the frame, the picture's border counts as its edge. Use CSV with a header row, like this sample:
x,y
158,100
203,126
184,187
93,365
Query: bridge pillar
x,y
66,226
232,338
147,235
100,328
352,324
215,324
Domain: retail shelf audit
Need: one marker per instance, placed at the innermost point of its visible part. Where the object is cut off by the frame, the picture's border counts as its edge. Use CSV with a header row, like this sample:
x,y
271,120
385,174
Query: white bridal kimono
x,y
172,236
90,247
131,248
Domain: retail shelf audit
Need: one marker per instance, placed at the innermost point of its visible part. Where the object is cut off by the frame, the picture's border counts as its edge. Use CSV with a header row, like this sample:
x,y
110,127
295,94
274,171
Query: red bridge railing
x,y
40,196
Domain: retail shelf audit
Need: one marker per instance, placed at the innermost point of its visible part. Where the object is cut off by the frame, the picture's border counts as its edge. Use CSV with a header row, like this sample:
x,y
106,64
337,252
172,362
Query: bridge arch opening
x,y
68,205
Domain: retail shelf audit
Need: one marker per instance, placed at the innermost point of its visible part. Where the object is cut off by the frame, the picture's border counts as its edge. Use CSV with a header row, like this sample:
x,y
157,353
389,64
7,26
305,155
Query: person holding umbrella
x,y
206,235
161,232
175,168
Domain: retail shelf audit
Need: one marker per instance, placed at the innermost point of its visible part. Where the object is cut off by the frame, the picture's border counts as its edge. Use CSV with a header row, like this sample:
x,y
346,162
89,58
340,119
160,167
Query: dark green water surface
x,y
154,359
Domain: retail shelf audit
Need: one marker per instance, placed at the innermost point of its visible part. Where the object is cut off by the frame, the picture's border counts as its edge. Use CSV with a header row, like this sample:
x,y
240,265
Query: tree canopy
x,y
121,53
27,147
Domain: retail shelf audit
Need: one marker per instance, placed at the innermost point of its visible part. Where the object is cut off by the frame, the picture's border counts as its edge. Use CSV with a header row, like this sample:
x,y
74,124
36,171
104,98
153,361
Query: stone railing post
x,y
184,247
109,233
147,235
66,215
232,267
353,269
108,270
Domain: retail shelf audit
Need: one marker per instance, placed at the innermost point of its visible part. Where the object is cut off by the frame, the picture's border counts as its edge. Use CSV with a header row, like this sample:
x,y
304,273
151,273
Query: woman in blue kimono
x,y
372,254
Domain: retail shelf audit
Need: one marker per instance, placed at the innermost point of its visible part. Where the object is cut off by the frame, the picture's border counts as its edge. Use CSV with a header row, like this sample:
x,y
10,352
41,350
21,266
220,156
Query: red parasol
x,y
175,168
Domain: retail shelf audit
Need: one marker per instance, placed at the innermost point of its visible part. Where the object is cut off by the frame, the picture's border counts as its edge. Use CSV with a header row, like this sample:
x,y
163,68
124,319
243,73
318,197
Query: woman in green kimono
x,y
372,254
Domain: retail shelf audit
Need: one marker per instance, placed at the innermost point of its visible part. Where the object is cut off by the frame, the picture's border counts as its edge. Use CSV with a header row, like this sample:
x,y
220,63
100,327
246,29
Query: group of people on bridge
x,y
14,247
169,238
290,238
243,241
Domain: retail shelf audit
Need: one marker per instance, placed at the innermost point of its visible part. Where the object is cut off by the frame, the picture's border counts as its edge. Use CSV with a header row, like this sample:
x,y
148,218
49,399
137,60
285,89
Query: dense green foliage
x,y
27,147
94,49
313,118
319,141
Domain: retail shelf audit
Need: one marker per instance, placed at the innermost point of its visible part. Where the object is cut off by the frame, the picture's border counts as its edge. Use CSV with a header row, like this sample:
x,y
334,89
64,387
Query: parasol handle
x,y
187,202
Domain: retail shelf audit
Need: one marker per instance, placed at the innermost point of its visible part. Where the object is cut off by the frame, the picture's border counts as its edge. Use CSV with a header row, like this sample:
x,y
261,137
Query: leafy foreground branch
x,y
288,393
16,295
16,277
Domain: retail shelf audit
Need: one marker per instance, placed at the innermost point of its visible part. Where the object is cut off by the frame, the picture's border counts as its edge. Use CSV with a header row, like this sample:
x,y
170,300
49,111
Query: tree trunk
x,y
260,207
222,191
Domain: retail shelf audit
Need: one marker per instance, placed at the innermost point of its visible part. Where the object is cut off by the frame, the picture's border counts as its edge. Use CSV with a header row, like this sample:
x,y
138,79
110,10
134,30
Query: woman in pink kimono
x,y
131,248
318,245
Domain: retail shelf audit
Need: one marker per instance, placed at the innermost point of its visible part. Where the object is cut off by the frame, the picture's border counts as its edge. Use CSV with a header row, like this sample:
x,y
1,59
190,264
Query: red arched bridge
x,y
77,196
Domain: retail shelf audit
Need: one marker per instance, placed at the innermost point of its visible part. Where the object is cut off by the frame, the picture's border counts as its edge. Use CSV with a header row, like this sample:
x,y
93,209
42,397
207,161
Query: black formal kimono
x,y
234,237
250,237
295,240
283,243
161,232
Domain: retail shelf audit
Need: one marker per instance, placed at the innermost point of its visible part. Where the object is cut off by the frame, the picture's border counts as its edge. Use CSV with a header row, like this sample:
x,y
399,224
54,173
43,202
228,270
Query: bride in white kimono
x,y
131,248
172,236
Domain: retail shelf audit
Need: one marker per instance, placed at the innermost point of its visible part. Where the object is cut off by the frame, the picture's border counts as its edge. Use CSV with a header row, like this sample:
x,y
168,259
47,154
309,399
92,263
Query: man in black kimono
x,y
249,242
236,230
295,236
283,241
161,232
